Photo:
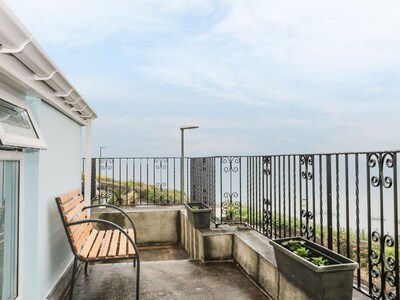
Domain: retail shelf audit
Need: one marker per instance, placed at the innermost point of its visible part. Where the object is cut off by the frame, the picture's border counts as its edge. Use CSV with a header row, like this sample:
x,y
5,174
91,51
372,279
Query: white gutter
x,y
16,41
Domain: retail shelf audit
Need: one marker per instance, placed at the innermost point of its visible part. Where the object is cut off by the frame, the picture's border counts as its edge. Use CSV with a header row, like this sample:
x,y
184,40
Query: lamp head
x,y
189,127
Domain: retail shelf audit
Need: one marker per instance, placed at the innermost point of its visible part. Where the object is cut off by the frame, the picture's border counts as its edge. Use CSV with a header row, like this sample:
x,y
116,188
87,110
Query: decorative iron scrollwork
x,y
267,218
160,163
307,230
306,160
231,161
160,190
381,160
382,263
387,275
267,204
230,206
106,164
267,165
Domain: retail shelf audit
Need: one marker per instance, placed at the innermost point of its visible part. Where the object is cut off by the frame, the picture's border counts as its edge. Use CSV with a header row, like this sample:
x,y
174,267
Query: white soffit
x,y
17,45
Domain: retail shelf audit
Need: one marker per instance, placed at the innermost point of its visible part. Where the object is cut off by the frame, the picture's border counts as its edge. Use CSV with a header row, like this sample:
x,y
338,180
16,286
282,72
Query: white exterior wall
x,y
48,174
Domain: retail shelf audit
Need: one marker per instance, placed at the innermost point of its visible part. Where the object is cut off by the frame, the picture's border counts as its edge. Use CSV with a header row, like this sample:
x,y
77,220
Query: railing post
x,y
329,199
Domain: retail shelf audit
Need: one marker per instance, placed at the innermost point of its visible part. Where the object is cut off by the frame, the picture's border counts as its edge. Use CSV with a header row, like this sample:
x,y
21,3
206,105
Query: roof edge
x,y
16,40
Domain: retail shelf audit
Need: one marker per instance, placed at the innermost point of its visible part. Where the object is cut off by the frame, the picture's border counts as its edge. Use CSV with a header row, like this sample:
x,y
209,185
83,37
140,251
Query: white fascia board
x,y
13,69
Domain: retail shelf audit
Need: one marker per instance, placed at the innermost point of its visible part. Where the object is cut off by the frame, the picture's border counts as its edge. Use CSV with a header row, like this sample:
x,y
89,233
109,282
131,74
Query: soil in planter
x,y
194,207
301,249
197,206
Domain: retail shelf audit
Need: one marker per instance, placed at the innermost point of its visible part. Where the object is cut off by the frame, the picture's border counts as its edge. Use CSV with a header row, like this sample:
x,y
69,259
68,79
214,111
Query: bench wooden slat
x,y
68,196
114,243
76,210
67,206
81,217
77,233
96,246
83,237
88,245
122,245
131,250
73,228
105,244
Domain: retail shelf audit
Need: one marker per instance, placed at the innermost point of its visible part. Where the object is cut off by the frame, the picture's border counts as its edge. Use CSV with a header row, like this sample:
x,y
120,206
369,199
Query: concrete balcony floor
x,y
166,273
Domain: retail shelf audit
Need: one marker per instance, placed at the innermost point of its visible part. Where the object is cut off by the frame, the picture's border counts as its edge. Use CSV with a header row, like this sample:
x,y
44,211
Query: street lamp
x,y
183,128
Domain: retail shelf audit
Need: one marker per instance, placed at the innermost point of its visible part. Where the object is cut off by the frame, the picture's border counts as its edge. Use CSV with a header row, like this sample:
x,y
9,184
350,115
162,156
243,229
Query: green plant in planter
x,y
319,261
302,252
194,207
293,245
297,247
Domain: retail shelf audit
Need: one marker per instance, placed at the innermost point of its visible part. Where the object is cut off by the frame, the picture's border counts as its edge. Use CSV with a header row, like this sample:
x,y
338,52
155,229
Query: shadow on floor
x,y
181,279
163,252
166,273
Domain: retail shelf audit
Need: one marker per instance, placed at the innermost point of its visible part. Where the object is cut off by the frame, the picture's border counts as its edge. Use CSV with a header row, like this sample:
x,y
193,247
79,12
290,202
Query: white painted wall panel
x,y
59,172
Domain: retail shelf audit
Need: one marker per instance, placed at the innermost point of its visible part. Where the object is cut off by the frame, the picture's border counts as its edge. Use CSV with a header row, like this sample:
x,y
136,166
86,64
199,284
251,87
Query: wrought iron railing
x,y
131,181
347,202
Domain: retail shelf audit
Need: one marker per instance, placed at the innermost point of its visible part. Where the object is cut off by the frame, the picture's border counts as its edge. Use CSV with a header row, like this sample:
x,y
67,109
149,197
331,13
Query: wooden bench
x,y
91,245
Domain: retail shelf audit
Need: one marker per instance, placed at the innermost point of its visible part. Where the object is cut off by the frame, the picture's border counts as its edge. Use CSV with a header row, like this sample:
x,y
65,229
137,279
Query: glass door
x,y
9,212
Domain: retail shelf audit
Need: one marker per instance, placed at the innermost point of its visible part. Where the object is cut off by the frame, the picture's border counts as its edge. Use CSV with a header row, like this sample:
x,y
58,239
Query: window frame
x,y
19,141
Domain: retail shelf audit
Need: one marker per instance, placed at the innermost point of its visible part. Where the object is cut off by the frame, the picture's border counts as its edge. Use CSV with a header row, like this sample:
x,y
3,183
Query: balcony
x,y
344,201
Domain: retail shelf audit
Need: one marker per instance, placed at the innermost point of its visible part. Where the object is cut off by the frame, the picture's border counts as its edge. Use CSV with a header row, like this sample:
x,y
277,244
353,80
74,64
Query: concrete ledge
x,y
213,244
154,224
258,260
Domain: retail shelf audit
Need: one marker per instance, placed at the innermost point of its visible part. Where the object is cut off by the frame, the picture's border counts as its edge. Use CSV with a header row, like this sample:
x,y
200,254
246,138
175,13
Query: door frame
x,y
18,156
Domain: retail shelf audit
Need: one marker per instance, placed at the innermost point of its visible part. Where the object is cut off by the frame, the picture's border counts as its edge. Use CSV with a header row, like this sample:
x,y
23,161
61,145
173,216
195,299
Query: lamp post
x,y
183,128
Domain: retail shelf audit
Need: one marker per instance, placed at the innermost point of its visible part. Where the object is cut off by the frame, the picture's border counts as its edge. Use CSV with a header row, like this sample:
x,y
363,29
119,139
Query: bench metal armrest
x,y
116,208
110,224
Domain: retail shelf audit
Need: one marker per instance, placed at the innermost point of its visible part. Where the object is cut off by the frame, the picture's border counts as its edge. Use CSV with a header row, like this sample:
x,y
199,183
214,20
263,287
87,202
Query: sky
x,y
257,76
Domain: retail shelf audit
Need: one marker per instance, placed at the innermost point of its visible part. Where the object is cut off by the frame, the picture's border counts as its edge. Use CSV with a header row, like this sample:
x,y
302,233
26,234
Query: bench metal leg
x,y
137,278
71,289
86,265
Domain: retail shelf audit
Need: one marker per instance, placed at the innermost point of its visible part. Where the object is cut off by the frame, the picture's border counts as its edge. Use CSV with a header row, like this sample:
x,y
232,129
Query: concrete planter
x,y
198,214
333,281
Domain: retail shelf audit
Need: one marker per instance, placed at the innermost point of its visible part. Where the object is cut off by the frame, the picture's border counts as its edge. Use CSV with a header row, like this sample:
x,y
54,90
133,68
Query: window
x,y
17,125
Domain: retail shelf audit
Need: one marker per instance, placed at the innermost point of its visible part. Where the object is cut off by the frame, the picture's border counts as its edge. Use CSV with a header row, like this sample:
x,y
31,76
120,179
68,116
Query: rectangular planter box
x,y
199,217
334,281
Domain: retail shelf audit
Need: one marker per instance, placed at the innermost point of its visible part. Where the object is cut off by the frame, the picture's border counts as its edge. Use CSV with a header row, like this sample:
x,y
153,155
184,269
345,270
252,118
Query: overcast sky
x,y
258,77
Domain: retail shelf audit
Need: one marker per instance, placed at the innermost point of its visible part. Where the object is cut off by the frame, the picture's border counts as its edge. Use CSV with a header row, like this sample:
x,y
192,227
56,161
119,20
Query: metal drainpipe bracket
x,y
44,78
17,50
